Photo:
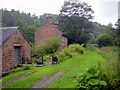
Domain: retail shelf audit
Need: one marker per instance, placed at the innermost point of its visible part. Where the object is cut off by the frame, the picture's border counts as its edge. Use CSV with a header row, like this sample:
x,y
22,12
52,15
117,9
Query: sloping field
x,y
68,68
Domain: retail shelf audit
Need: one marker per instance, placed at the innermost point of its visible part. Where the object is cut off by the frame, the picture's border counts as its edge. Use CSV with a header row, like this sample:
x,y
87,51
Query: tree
x,y
73,20
104,40
118,24
92,39
77,9
28,30
19,23
118,31
50,46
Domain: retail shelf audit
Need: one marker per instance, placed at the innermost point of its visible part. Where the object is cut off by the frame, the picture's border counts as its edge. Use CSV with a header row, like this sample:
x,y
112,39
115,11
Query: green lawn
x,y
69,67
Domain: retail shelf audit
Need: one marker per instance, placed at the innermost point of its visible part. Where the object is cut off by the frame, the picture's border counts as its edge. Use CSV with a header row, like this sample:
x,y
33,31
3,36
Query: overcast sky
x,y
106,11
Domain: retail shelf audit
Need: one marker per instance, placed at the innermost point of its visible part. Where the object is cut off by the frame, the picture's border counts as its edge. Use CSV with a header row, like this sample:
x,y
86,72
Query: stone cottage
x,y
47,31
15,48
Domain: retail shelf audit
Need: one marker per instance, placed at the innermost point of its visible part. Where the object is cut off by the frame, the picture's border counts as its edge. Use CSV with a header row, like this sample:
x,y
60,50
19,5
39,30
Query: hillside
x,y
30,23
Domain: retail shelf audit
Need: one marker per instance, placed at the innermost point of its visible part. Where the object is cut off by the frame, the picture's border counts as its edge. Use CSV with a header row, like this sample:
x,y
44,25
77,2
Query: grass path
x,y
18,78
86,61
46,81
69,67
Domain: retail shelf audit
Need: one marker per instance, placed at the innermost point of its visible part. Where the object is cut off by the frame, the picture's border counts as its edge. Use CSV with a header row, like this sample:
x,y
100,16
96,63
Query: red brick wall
x,y
48,30
44,33
8,50
64,43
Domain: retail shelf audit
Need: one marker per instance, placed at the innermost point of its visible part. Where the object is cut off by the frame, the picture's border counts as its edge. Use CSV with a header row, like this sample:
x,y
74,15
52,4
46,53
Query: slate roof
x,y
6,32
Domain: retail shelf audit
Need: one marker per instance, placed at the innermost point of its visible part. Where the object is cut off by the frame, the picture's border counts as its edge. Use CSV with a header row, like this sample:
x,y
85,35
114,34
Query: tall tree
x,y
28,30
73,20
19,23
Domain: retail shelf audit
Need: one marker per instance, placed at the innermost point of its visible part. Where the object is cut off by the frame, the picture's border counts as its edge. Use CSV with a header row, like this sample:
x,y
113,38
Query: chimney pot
x,y
49,19
56,24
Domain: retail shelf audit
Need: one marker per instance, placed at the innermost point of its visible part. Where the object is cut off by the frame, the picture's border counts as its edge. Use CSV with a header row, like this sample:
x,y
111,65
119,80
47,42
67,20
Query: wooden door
x,y
17,55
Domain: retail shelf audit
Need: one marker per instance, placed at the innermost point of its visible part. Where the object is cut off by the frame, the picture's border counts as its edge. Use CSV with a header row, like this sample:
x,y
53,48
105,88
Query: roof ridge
x,y
40,28
8,27
8,31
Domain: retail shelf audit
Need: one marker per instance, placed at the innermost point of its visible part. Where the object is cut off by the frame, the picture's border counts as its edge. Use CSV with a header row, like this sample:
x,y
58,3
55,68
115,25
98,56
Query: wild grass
x,y
80,63
109,67
110,70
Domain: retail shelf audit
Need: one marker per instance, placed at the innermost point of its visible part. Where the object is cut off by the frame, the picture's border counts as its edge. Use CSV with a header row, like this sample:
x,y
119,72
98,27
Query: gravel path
x,y
46,81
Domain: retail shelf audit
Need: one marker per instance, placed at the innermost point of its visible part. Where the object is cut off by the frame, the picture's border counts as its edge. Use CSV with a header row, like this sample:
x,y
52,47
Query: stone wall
x,y
8,59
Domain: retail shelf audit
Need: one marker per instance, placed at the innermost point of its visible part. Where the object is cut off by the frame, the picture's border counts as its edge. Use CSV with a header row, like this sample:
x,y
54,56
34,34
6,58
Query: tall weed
x,y
109,67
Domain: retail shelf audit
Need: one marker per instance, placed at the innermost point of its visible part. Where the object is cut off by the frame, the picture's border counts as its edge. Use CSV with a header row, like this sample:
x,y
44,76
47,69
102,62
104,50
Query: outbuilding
x,y
47,31
15,48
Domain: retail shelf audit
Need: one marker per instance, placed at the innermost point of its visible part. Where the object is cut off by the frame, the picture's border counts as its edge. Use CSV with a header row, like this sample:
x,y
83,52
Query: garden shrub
x,y
89,79
70,51
26,67
39,59
47,57
51,45
104,40
76,48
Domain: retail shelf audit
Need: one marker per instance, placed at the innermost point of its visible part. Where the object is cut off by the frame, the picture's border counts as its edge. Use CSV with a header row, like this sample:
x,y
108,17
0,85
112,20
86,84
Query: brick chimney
x,y
56,24
49,19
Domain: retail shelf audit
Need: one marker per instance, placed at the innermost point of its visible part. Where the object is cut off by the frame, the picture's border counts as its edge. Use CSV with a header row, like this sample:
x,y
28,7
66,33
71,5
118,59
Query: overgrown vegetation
x,y
69,52
39,59
110,67
109,37
47,48
89,79
110,70
51,45
26,67
80,64
104,40
33,52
